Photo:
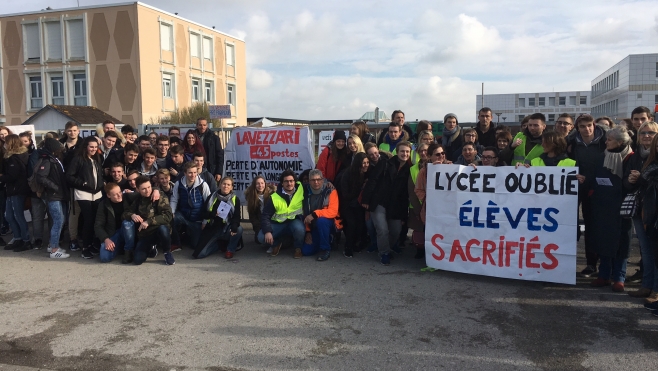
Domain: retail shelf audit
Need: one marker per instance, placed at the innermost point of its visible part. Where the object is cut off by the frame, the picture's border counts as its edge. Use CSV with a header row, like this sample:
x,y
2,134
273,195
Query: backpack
x,y
32,180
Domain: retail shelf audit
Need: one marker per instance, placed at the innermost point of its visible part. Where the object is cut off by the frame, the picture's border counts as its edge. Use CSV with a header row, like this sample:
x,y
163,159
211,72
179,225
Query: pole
x,y
482,97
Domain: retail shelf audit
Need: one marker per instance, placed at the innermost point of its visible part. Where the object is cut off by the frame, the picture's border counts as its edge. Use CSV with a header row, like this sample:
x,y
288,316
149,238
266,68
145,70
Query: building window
x,y
572,100
230,55
194,45
32,42
521,117
36,92
521,102
54,38
166,37
196,87
656,72
563,101
76,39
551,101
57,89
583,100
167,86
542,101
655,100
208,91
230,94
79,89
551,117
207,48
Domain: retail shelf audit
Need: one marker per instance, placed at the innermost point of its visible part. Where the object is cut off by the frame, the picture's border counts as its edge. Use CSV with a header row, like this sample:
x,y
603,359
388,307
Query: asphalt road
x,y
276,313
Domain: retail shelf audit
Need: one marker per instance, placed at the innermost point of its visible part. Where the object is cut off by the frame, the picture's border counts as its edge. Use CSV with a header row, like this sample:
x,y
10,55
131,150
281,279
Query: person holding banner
x,y
354,215
256,194
612,232
437,155
415,204
282,214
320,216
453,138
333,158
555,151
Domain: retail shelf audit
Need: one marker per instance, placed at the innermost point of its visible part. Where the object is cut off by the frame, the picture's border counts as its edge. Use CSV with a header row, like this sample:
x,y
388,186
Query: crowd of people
x,y
120,194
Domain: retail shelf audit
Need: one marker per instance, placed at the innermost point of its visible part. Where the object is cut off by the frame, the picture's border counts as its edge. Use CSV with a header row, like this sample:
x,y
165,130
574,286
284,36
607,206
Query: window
x,y
57,89
542,101
32,42
551,117
551,101
531,102
230,94
655,100
521,102
572,100
54,44
194,45
79,89
208,91
207,48
195,90
76,38
563,101
230,55
656,72
521,117
166,86
36,92
166,32
583,100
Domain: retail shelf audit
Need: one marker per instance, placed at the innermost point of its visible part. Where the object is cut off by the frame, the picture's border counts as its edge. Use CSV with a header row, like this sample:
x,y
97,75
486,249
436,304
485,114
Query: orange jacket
x,y
329,211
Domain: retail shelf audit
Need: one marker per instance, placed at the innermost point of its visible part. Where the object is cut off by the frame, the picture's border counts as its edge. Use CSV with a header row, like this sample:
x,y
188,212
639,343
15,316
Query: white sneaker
x,y
59,254
50,248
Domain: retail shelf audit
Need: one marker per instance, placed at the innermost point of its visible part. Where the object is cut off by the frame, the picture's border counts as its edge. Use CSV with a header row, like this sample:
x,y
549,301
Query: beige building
x,y
130,60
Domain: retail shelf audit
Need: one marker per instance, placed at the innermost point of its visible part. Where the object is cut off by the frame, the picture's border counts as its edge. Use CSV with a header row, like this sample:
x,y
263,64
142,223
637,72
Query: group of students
x,y
119,193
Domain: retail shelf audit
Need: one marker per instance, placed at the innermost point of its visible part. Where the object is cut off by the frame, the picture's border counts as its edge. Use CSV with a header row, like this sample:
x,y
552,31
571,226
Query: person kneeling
x,y
320,214
116,234
187,200
222,213
152,220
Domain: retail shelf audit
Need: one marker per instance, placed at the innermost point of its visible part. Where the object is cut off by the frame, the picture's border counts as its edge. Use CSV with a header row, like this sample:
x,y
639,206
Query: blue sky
x,y
338,59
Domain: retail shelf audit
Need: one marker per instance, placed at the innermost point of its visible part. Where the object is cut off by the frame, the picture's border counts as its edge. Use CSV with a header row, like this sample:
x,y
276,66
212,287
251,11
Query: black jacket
x,y
15,173
214,152
376,190
487,139
69,152
80,175
398,206
105,222
382,135
587,156
50,174
216,222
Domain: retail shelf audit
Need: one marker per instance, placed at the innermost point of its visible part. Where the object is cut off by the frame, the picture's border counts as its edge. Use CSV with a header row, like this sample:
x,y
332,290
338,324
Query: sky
x,y
338,59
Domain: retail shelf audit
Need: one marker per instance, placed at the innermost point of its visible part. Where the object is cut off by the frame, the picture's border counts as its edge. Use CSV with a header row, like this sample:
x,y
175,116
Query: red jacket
x,y
327,165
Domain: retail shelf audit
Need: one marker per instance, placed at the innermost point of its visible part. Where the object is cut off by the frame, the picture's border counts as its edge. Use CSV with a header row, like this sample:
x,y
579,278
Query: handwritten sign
x,y
220,112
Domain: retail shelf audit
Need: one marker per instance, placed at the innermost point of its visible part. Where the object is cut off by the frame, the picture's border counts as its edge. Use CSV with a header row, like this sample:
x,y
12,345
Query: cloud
x,y
258,79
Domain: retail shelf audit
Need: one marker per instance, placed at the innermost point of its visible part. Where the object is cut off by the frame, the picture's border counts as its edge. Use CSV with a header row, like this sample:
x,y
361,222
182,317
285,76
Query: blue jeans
x,y
322,234
378,217
372,232
57,210
294,228
649,274
160,237
16,218
193,230
212,245
124,239
612,269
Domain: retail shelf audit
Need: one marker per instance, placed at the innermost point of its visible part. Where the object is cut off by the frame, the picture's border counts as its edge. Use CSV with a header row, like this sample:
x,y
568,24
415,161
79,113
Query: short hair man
x,y
486,128
131,180
108,125
175,162
469,155
162,148
320,216
526,145
282,214
397,118
164,183
118,175
129,156
187,200
143,142
115,234
174,131
394,136
70,141
129,133
639,116
489,157
199,160
213,148
564,125
149,167
152,220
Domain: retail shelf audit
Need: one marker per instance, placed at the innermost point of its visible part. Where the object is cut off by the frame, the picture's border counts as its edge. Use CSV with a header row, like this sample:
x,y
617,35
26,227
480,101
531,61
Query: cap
x,y
339,134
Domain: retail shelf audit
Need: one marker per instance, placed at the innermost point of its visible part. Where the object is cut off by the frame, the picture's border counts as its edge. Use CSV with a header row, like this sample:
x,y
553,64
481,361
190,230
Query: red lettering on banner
x,y
547,251
529,255
521,246
259,152
488,247
500,250
261,137
441,252
509,250
469,244
456,250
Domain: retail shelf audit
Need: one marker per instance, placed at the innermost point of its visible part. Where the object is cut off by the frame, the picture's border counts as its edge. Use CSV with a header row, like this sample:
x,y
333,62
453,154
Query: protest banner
x,y
326,136
268,152
219,112
17,129
503,222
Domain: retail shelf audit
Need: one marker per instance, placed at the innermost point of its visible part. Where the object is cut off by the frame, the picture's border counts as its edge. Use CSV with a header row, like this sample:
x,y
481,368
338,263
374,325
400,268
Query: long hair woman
x,y
14,177
85,176
256,194
192,144
333,158
353,214
360,129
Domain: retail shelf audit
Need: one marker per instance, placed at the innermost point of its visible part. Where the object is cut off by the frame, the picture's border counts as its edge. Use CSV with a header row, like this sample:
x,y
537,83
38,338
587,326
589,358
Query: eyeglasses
x,y
488,158
469,135
315,180
563,123
648,133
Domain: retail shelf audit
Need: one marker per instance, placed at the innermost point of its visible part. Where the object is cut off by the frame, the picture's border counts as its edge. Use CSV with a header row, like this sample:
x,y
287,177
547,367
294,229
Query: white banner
x,y
268,152
503,222
325,137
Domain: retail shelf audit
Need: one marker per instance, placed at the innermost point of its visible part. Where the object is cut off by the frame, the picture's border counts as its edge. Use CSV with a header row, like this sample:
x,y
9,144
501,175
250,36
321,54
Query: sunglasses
x,y
439,154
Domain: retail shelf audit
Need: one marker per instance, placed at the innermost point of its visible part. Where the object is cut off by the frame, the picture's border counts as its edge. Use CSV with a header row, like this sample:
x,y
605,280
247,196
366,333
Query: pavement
x,y
257,312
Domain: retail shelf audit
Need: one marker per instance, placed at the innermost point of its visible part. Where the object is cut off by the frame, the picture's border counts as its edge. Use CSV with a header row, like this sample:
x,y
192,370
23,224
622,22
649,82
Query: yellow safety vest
x,y
519,152
414,175
284,211
387,147
413,156
567,162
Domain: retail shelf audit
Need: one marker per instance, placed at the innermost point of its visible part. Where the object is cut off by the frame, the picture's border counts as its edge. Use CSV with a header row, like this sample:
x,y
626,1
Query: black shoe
x,y
589,271
348,253
37,244
22,246
74,246
636,277
4,230
324,256
87,254
154,251
127,257
94,250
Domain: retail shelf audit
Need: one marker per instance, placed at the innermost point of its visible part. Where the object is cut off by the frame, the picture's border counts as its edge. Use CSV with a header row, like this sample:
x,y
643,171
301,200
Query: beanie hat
x,y
446,117
339,134
52,145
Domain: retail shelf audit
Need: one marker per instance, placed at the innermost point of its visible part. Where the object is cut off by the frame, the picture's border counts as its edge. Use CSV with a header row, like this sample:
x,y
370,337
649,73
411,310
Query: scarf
x,y
449,136
228,199
614,161
644,153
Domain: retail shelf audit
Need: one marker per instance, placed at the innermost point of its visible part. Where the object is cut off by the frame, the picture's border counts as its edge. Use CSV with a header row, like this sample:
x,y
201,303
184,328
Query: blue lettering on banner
x,y
469,216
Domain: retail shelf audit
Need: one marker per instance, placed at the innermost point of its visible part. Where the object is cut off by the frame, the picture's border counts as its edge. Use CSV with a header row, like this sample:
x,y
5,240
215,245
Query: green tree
x,y
186,115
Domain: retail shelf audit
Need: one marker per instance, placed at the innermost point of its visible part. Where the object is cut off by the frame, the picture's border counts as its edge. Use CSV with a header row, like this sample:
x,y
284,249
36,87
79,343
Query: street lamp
x,y
498,114
504,118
